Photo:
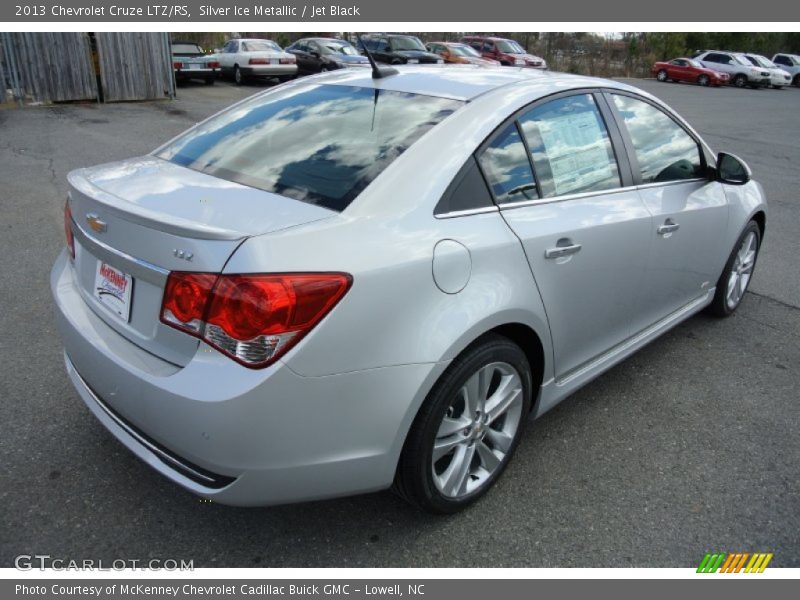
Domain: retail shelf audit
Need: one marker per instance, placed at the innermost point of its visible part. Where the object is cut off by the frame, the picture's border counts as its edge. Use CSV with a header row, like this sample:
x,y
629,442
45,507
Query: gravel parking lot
x,y
690,446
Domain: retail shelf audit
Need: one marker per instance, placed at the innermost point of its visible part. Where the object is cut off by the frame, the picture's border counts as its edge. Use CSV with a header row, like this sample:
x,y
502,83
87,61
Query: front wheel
x,y
661,75
738,271
468,428
703,80
740,81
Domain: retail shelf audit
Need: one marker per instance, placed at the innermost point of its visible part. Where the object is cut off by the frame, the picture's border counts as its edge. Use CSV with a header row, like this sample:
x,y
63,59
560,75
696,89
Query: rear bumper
x,y
196,73
259,437
268,70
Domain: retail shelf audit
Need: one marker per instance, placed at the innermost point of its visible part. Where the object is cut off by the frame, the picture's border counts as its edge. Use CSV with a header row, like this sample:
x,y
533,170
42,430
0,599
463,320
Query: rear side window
x,y
323,144
570,147
507,168
664,150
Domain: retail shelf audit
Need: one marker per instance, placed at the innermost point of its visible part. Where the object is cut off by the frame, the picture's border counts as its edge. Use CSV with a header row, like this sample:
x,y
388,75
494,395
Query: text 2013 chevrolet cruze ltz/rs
x,y
350,283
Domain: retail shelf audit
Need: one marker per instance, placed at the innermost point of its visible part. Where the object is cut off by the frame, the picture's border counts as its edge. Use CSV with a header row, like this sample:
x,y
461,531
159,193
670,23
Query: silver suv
x,y
741,70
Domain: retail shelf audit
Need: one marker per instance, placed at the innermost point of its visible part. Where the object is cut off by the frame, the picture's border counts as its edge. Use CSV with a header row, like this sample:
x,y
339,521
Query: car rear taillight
x,y
213,64
253,319
289,60
259,61
177,65
68,230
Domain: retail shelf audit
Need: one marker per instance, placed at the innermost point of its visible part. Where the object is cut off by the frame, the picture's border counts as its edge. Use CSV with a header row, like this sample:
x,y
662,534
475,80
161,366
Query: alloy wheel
x,y
477,431
661,76
741,271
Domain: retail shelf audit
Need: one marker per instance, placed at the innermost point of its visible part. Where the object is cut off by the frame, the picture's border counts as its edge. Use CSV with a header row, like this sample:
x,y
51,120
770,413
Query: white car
x,y
741,71
242,59
778,77
789,63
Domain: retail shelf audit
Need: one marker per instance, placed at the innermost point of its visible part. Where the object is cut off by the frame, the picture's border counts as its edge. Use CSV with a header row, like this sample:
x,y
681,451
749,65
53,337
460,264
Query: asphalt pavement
x,y
688,447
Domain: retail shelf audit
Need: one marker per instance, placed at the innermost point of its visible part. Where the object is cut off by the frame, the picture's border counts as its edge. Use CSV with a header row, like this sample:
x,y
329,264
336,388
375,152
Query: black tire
x,y
414,478
703,80
238,78
662,75
720,307
796,80
210,81
740,80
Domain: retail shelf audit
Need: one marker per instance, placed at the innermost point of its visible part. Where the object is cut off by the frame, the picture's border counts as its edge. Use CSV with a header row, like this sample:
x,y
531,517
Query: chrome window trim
x,y
468,212
567,197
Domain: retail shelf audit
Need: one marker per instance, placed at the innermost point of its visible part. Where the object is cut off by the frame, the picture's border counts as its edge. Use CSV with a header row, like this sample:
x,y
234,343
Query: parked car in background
x,y
348,284
316,55
741,71
189,61
789,63
779,78
397,49
506,52
690,70
458,53
242,59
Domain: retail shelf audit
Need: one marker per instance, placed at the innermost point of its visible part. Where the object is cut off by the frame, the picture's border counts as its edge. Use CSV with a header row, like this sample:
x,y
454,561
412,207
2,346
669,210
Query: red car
x,y
688,69
507,52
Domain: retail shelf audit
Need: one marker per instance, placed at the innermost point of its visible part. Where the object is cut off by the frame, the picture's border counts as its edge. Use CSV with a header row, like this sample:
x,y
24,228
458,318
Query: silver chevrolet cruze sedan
x,y
350,283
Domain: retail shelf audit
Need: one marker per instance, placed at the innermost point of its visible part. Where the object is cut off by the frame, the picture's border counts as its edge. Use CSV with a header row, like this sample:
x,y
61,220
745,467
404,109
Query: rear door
x,y
690,211
555,174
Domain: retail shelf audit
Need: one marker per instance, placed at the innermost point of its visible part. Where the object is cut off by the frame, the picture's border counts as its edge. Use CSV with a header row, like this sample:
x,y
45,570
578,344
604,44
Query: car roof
x,y
462,82
494,38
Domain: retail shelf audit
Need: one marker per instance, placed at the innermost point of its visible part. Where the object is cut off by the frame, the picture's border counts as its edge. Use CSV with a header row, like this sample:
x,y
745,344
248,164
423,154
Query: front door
x,y
689,211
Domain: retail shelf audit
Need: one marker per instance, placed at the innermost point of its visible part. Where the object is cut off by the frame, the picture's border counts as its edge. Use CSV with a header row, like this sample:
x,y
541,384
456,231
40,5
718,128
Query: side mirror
x,y
732,169
314,53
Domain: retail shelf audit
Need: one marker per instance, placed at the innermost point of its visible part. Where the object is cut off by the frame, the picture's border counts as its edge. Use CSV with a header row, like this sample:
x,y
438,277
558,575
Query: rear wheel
x,y
238,78
738,271
740,80
703,80
468,428
661,75
210,81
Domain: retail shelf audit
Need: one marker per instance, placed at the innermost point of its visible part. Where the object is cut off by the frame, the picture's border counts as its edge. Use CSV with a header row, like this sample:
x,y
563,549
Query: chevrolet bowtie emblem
x,y
95,223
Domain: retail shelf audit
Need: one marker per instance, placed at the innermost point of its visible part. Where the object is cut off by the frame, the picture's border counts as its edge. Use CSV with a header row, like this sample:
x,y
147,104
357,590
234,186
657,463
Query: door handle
x,y
560,251
668,227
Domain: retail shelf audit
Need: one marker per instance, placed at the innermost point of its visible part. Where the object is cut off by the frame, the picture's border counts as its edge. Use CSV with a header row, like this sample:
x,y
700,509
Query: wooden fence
x,y
45,67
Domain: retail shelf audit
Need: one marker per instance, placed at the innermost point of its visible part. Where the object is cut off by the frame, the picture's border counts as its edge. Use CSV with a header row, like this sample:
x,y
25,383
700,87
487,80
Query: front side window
x,y
570,147
321,143
664,150
507,168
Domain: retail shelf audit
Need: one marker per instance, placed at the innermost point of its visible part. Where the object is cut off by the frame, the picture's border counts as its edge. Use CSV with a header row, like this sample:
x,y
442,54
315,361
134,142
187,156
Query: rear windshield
x,y
187,49
321,144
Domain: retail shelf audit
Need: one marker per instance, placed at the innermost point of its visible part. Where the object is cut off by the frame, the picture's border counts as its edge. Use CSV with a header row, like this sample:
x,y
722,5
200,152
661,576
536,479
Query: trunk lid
x,y
146,217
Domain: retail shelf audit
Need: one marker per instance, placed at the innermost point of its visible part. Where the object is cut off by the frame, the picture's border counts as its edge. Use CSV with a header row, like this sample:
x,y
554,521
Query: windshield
x,y
339,48
321,144
509,46
186,49
260,46
464,50
406,43
744,60
763,61
694,63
